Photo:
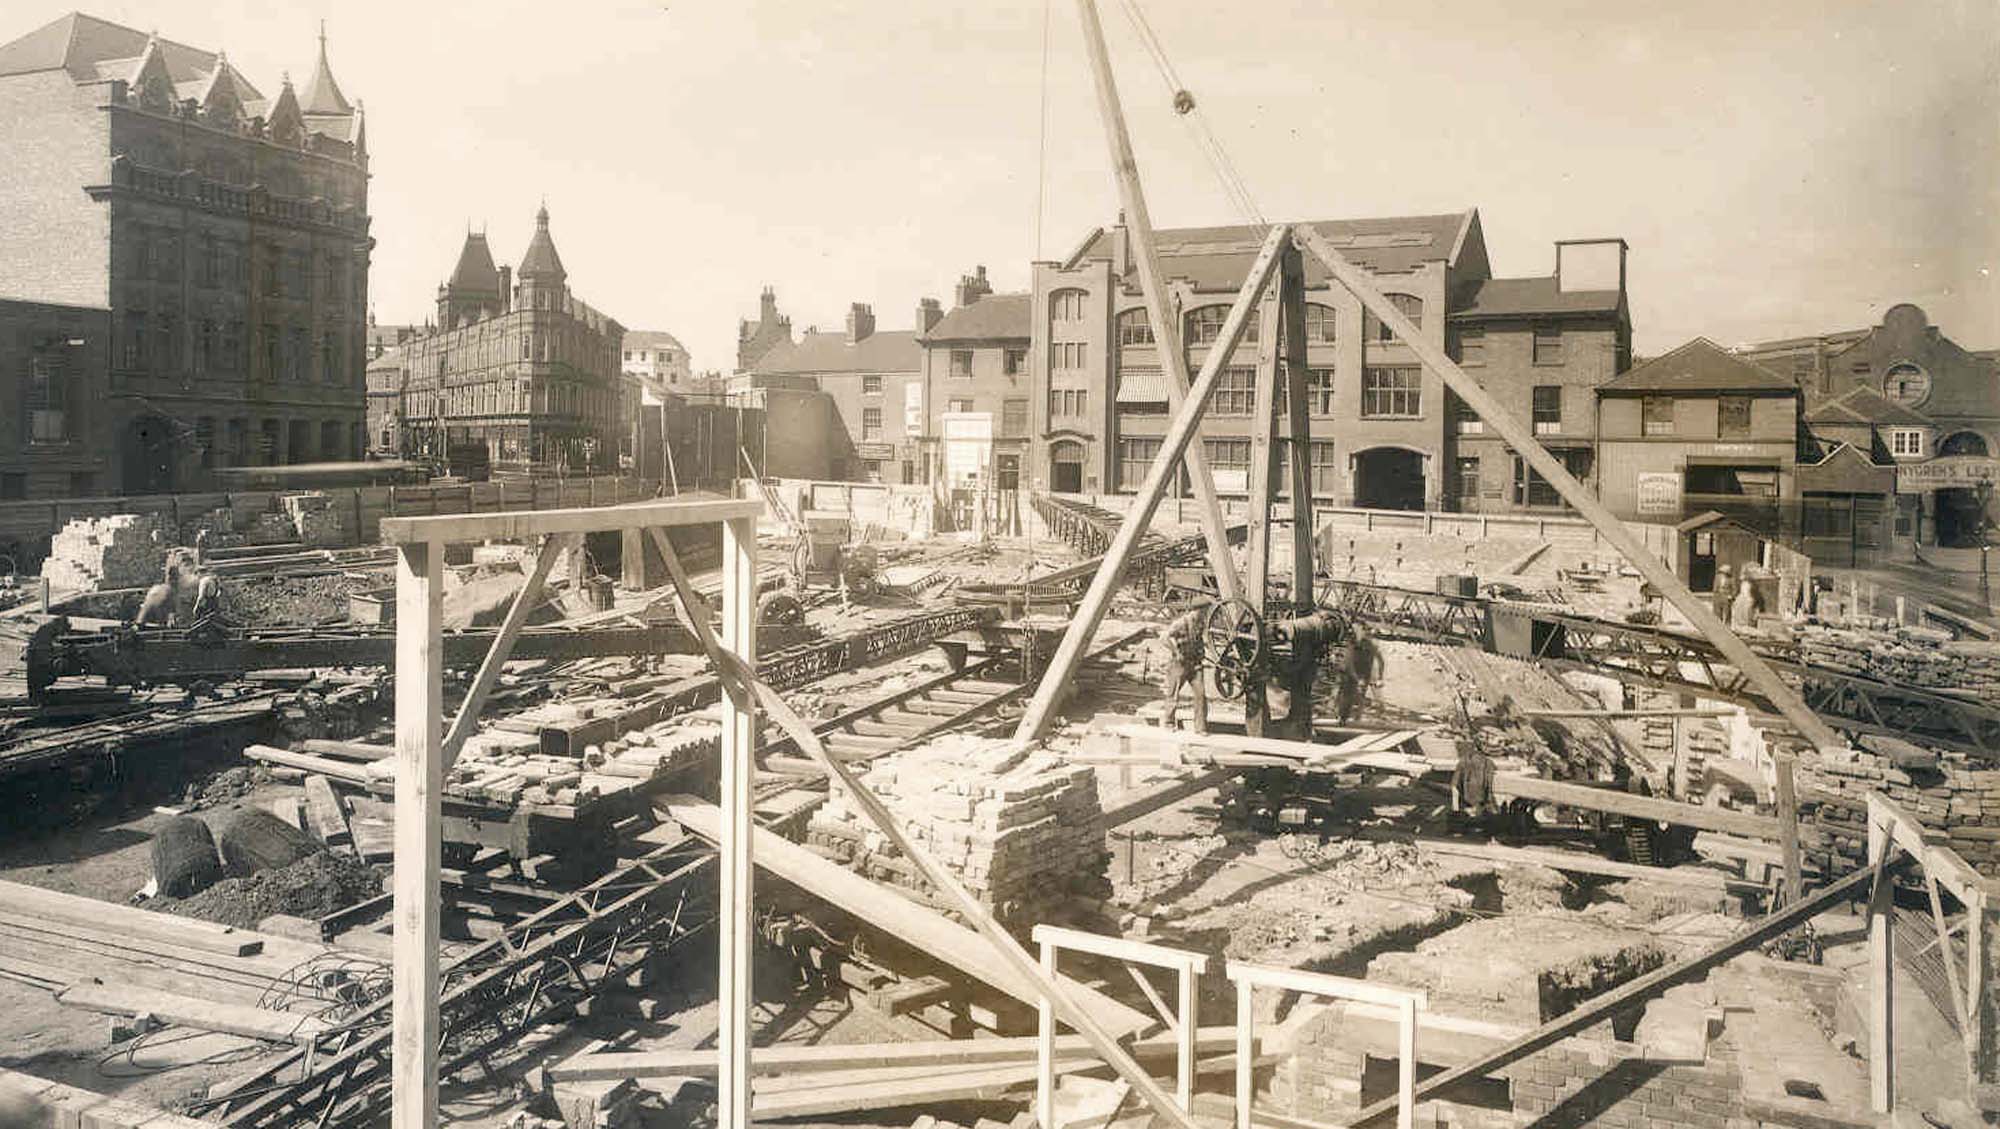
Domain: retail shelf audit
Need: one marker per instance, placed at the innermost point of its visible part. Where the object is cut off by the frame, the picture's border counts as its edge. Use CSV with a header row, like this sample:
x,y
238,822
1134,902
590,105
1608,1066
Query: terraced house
x,y
225,230
1384,432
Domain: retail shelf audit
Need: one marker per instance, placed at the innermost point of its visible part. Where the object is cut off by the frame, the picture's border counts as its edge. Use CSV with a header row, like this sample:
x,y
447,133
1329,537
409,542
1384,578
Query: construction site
x,y
597,804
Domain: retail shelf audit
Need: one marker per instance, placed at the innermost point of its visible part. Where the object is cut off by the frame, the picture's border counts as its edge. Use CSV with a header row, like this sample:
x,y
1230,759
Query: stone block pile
x,y
1914,656
320,523
226,531
96,553
1023,831
1948,792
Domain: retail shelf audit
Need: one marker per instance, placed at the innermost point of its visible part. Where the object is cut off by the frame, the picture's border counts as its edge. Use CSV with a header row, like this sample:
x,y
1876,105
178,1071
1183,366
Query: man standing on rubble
x,y
1177,648
1361,666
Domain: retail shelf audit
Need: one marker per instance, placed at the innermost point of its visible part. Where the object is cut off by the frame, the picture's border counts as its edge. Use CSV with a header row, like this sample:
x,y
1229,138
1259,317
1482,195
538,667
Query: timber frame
x,y
424,751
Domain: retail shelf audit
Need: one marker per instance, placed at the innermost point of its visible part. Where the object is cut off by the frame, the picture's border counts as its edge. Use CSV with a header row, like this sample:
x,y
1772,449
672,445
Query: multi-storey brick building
x,y
658,360
226,231
387,377
54,427
1383,432
770,331
526,370
871,383
978,394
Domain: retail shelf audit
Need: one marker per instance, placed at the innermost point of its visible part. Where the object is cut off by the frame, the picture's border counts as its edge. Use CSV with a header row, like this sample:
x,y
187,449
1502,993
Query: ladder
x,y
771,498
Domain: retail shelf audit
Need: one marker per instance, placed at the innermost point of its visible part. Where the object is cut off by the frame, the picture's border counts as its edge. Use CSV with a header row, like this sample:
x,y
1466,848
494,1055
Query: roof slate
x,y
1504,297
993,317
893,350
1862,404
1699,366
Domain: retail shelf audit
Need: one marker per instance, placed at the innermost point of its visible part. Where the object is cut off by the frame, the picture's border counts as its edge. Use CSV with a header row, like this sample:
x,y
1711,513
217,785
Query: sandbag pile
x,y
95,553
1022,830
1914,656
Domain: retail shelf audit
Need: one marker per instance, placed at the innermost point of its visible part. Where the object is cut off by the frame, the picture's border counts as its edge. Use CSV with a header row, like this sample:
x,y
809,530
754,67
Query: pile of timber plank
x,y
1945,791
1911,656
1022,830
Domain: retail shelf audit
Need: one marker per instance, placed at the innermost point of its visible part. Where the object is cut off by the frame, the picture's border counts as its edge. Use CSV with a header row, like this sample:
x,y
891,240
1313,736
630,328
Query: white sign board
x,y
968,446
913,409
1660,492
1945,472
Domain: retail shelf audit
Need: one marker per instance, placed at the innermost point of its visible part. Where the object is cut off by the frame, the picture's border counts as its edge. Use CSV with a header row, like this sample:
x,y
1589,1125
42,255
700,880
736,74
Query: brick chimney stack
x,y
860,322
972,287
928,315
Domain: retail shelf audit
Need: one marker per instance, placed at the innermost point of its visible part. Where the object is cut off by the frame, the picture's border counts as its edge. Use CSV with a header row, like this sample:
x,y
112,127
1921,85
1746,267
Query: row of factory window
x,y
1202,326
1228,458
513,397
486,344
160,343
223,263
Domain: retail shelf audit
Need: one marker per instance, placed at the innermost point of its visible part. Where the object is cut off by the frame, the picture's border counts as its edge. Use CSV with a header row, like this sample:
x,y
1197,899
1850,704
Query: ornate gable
x,y
285,124
152,87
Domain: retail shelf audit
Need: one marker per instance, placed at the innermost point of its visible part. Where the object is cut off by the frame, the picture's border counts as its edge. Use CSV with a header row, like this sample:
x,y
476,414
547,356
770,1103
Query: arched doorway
x,y
149,451
1389,478
1958,510
1066,467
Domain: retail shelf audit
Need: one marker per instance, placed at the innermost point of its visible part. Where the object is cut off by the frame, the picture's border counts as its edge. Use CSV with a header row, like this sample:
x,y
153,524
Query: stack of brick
x,y
1948,792
1021,830
1913,656
95,553
320,523
225,531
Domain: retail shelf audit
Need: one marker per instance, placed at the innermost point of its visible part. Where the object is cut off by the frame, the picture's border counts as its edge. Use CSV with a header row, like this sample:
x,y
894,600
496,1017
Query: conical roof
x,y
475,272
323,95
541,260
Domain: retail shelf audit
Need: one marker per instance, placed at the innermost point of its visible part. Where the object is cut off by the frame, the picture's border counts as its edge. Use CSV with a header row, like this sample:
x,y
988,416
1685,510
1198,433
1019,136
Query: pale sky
x,y
1779,168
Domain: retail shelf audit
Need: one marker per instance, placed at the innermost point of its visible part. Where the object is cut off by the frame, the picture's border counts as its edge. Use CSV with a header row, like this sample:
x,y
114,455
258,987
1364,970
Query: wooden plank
x,y
1514,430
189,1011
339,770
1041,712
736,842
418,830
141,925
1881,966
1786,801
525,602
1310,754
1322,984
518,525
1119,948
326,816
346,750
1600,1008
1946,864
1298,376
922,929
1578,863
1639,807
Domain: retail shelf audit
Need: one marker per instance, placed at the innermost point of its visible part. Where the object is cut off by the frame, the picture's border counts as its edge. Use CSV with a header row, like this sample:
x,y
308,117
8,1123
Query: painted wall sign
x,y
1660,492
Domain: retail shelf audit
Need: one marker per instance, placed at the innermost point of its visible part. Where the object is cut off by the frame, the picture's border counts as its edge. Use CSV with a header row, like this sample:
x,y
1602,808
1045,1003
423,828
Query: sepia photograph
x,y
1060,564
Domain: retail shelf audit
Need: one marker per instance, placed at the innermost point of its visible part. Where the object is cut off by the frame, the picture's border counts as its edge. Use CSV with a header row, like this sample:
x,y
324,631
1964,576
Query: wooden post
x,y
1298,399
1165,319
1982,1009
739,743
1881,973
524,605
1188,1007
1245,1091
1263,452
1180,433
1406,1064
1518,436
1045,1046
418,832
1787,799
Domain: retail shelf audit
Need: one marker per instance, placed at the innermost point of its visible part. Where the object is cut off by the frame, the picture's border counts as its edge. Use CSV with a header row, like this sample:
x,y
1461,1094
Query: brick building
x,y
1696,430
524,369
978,394
54,369
658,360
871,402
1384,434
1933,403
768,332
387,378
227,232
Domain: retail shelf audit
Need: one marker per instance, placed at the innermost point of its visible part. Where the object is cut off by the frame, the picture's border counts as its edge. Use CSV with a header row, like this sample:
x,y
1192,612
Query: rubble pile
x,y
94,553
1945,791
1020,829
1914,656
312,887
226,532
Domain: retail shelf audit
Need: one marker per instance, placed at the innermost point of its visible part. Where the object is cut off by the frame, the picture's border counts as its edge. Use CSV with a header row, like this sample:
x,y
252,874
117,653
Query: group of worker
x,y
1177,654
161,605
